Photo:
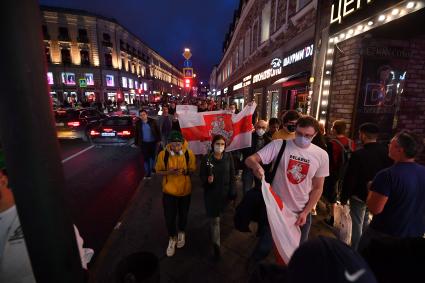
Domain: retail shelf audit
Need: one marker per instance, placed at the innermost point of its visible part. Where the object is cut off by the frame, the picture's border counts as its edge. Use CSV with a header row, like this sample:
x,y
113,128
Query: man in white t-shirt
x,y
15,264
301,173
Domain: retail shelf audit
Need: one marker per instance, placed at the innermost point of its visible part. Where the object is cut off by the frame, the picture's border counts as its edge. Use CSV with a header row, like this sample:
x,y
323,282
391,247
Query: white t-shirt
x,y
296,170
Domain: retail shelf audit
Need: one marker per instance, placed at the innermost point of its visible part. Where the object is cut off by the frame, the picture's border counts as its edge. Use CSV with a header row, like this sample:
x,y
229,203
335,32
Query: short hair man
x,y
289,119
301,171
362,168
274,125
396,197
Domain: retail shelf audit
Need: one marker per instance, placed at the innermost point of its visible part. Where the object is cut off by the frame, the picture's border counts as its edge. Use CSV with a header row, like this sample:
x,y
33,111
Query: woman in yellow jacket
x,y
176,162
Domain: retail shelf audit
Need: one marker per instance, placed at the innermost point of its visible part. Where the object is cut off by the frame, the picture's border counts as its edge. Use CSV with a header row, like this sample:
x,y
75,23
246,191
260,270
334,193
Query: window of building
x,y
108,60
122,63
106,37
89,78
247,44
255,36
129,66
302,3
85,57
46,35
66,56
82,36
50,78
68,78
63,34
124,82
241,52
265,22
130,83
145,86
136,84
47,52
110,80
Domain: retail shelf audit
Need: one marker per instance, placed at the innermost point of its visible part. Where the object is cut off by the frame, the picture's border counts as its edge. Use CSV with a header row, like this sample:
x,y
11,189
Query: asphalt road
x,y
100,182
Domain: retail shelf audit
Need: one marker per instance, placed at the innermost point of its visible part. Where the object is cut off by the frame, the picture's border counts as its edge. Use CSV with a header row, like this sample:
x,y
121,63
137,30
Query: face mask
x,y
178,153
302,141
218,148
260,132
291,128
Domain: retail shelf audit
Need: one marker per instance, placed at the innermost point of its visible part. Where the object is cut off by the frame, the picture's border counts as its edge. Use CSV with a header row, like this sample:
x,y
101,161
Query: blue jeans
x,y
360,219
149,165
265,243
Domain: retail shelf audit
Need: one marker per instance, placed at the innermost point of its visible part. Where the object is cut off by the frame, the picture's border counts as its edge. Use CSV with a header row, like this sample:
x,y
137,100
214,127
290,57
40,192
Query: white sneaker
x,y
181,240
171,247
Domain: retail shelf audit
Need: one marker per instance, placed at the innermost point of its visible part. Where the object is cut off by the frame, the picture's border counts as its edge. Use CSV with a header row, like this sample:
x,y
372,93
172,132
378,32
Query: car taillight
x,y
107,130
94,133
124,133
74,124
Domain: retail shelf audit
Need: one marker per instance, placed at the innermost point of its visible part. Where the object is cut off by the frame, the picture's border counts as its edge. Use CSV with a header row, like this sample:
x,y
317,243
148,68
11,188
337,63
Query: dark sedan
x,y
114,130
76,123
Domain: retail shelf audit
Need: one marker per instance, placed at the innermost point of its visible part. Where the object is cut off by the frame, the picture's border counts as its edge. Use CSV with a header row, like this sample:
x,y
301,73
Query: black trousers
x,y
175,207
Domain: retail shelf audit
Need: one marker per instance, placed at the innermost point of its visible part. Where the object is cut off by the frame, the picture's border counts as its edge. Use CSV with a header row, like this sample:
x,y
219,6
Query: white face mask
x,y
219,148
178,153
302,142
260,132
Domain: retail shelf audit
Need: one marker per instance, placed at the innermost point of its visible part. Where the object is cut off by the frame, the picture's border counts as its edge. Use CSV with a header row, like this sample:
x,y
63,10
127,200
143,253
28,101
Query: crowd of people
x,y
382,184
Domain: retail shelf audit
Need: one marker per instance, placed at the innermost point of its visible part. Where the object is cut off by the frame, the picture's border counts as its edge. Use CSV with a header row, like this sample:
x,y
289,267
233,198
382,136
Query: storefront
x,y
372,66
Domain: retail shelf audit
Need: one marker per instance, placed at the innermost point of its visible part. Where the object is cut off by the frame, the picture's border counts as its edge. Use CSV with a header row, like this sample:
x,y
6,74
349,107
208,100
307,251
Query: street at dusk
x,y
212,141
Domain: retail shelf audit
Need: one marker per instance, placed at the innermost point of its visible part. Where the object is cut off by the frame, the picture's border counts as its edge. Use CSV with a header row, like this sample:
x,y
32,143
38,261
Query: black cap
x,y
328,260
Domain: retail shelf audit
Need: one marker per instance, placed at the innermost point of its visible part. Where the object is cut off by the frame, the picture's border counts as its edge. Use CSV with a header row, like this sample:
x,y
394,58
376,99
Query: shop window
x,y
82,36
68,78
89,78
302,3
108,60
265,22
66,56
63,34
110,80
85,57
47,52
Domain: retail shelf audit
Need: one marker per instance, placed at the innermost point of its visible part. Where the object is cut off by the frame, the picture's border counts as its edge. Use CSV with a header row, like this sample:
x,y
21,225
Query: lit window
x,y
265,22
124,82
130,83
68,78
89,78
145,86
110,80
50,78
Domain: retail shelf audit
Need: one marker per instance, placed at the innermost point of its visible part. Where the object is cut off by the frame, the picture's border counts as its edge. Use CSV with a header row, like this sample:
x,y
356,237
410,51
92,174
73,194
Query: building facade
x,y
268,56
91,57
370,65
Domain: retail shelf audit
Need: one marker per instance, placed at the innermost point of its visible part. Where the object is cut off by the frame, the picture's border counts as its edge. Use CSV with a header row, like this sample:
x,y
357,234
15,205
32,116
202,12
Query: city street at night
x,y
212,141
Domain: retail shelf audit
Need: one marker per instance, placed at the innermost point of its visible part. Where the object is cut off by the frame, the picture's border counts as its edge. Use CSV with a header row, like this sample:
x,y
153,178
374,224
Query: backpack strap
x,y
166,157
277,161
186,155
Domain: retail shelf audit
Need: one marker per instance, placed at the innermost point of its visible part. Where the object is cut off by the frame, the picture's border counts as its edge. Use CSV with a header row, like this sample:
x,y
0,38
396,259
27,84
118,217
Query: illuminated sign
x,y
188,72
345,8
276,63
237,86
267,74
298,56
218,92
82,82
225,90
247,80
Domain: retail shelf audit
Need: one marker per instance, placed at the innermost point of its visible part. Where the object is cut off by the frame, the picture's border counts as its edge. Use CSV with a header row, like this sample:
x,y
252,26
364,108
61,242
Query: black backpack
x,y
347,152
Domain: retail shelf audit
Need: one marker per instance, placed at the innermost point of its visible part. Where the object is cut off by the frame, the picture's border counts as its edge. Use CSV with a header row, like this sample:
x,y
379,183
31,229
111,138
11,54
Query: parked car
x,y
76,123
114,130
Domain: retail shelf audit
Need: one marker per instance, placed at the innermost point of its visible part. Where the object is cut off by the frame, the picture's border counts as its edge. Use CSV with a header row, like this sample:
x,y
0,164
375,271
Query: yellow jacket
x,y
283,135
176,185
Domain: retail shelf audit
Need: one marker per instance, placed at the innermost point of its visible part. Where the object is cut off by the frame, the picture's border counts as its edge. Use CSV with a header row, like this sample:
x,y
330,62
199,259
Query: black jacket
x,y
247,152
362,168
139,134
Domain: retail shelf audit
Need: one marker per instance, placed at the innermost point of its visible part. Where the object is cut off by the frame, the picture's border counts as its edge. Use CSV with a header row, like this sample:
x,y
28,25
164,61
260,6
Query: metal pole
x,y
31,149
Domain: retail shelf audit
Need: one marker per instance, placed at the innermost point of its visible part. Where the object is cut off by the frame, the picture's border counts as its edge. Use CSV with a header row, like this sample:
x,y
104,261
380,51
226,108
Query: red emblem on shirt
x,y
297,171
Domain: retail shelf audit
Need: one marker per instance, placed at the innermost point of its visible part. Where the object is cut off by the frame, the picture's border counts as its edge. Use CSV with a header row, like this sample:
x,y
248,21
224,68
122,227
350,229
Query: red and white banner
x,y
286,235
199,128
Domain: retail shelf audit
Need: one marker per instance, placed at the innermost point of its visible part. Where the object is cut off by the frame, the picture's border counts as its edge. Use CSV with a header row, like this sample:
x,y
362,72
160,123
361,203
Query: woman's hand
x,y
210,179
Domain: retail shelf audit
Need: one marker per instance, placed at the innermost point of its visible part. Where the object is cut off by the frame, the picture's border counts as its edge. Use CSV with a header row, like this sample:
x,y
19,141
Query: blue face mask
x,y
302,141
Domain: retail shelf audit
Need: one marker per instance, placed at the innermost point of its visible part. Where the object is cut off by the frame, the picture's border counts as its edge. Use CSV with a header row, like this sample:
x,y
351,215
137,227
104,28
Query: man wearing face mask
x,y
300,173
175,163
289,119
258,141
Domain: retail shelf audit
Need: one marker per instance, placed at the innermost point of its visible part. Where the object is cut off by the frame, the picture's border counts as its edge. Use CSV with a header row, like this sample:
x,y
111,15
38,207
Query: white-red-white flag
x,y
286,235
199,128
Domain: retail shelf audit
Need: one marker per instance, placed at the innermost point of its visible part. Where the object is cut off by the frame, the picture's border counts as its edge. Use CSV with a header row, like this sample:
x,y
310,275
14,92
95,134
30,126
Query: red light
x,y
124,133
94,133
107,130
74,124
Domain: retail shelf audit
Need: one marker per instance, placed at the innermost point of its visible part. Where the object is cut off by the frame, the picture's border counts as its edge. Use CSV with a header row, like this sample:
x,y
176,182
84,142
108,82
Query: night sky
x,y
168,26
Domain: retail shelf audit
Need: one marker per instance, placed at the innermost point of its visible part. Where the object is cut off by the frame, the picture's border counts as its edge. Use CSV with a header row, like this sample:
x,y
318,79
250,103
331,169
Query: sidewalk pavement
x,y
142,228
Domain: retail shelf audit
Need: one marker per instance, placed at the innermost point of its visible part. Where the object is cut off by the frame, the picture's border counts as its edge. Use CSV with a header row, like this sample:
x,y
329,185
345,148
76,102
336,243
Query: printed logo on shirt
x,y
297,169
17,235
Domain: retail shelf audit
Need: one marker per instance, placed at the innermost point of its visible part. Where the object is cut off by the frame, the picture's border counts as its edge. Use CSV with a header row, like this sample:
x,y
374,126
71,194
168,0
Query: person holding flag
x,y
298,183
